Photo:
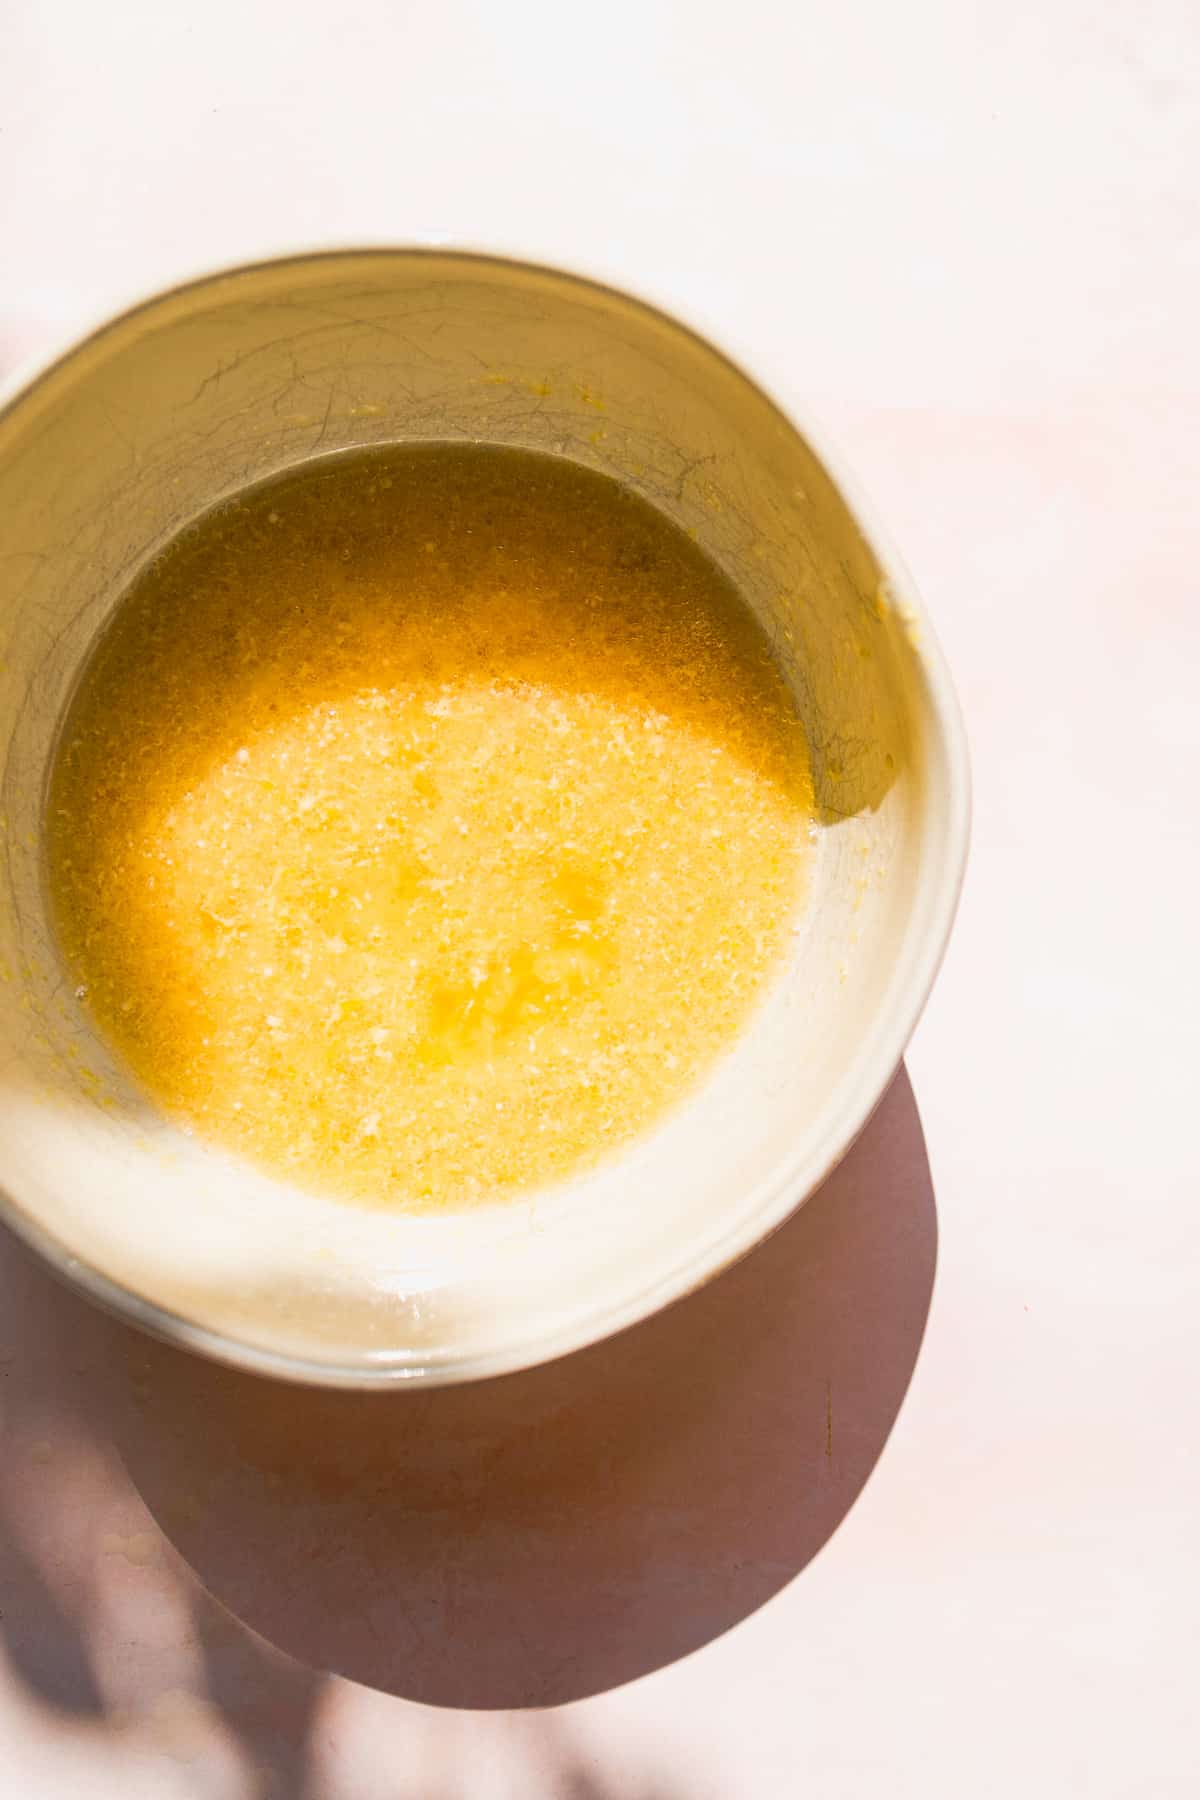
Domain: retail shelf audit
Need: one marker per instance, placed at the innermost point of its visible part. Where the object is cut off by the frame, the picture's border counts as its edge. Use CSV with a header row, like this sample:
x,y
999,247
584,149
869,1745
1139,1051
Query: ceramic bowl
x,y
107,451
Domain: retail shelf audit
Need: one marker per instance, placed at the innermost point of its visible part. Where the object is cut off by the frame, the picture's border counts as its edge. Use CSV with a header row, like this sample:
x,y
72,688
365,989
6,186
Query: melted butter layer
x,y
427,822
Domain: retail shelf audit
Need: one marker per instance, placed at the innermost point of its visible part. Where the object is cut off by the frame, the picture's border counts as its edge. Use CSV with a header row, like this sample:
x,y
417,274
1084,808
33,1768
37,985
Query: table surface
x,y
970,235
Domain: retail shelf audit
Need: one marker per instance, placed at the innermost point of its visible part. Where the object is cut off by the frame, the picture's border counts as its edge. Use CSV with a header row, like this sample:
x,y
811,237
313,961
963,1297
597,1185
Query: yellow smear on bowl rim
x,y
427,821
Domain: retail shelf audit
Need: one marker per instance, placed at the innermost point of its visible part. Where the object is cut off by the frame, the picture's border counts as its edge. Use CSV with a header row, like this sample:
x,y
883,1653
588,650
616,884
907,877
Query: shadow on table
x,y
538,1538
181,1676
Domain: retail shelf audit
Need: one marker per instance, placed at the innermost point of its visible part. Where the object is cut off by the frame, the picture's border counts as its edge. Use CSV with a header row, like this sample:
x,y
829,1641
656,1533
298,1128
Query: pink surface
x,y
986,276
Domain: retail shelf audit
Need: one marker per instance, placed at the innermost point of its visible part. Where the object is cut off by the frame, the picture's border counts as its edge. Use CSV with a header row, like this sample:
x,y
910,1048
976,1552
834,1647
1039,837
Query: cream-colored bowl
x,y
107,452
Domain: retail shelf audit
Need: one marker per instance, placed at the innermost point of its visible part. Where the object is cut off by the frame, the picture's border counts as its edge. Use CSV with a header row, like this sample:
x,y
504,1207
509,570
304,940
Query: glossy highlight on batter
x,y
428,820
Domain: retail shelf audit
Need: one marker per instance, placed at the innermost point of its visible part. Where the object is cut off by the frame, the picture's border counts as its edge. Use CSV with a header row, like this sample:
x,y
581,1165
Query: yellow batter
x,y
427,821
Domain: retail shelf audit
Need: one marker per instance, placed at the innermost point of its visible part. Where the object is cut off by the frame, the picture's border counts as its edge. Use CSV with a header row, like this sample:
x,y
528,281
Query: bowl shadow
x,y
531,1540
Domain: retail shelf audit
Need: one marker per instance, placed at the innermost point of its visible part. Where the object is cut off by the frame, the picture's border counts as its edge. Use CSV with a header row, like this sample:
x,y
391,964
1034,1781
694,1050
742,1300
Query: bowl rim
x,y
796,1177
